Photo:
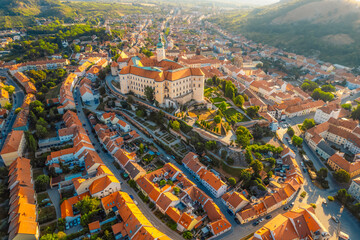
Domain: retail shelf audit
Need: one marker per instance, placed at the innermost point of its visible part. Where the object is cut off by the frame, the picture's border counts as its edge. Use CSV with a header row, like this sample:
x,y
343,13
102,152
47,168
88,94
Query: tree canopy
x,y
243,136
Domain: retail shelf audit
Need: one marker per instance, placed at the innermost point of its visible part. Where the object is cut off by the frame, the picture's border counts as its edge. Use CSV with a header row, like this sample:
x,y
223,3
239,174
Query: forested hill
x,y
327,29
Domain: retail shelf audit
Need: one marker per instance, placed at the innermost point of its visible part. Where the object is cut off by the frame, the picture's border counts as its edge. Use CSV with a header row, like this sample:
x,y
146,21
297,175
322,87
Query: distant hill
x,y
327,29
20,13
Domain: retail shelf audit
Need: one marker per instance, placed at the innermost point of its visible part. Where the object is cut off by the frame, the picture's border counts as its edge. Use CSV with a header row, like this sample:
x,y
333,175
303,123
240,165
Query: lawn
x,y
218,104
230,112
53,92
37,172
218,100
235,172
46,214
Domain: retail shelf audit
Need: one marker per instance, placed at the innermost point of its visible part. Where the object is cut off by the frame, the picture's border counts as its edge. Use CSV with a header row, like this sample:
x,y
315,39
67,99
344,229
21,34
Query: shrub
x,y
303,194
331,198
313,205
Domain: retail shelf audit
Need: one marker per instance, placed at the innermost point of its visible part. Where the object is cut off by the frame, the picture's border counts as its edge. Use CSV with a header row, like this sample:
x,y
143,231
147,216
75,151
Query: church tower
x,y
160,50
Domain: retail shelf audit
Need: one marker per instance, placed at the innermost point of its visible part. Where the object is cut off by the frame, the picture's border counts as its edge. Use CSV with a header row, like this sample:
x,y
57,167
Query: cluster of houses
x,y
341,133
282,188
22,201
179,198
300,223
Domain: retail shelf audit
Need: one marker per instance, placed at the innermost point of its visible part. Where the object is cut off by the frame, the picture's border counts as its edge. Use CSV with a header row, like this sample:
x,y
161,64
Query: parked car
x,y
230,212
291,204
71,225
67,226
237,221
286,208
78,220
255,223
304,170
131,196
335,219
261,219
268,217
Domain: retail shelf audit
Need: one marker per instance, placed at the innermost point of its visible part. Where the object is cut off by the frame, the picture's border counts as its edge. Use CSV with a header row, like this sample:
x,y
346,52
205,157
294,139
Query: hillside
x,y
327,29
20,13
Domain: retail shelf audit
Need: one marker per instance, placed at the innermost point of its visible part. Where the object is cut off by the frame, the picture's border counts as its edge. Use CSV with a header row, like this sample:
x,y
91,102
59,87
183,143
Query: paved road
x,y
55,199
108,161
349,223
18,98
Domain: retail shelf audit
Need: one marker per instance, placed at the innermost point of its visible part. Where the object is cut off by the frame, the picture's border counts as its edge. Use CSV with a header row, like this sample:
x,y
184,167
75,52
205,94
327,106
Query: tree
x,y
328,88
290,131
187,235
322,173
169,182
141,148
87,205
176,190
245,176
257,166
355,114
8,106
162,183
319,94
102,74
77,48
149,94
17,110
210,145
217,119
243,136
132,183
239,100
41,182
297,141
307,124
175,125
223,106
343,196
232,181
347,106
10,89
252,111
32,143
309,86
50,236
41,131
342,176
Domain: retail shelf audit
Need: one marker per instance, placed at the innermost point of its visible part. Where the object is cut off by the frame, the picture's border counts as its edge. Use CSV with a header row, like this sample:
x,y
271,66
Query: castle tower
x,y
160,50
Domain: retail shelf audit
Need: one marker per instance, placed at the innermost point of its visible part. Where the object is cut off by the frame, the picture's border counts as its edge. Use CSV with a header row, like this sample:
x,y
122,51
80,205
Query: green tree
x,y
328,88
309,85
8,106
297,141
18,110
41,131
77,48
347,106
162,183
176,190
239,100
342,176
132,183
210,145
10,89
343,196
32,143
307,124
290,131
252,111
141,148
187,235
223,106
87,205
322,173
217,119
50,236
149,94
245,176
355,114
257,166
232,181
175,125
243,136
41,182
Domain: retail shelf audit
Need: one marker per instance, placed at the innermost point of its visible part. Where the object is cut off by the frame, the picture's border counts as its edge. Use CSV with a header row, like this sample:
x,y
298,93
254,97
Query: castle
x,y
172,82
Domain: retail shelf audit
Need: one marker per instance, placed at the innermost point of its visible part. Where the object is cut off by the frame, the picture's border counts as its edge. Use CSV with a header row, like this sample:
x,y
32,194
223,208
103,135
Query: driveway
x,y
55,199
